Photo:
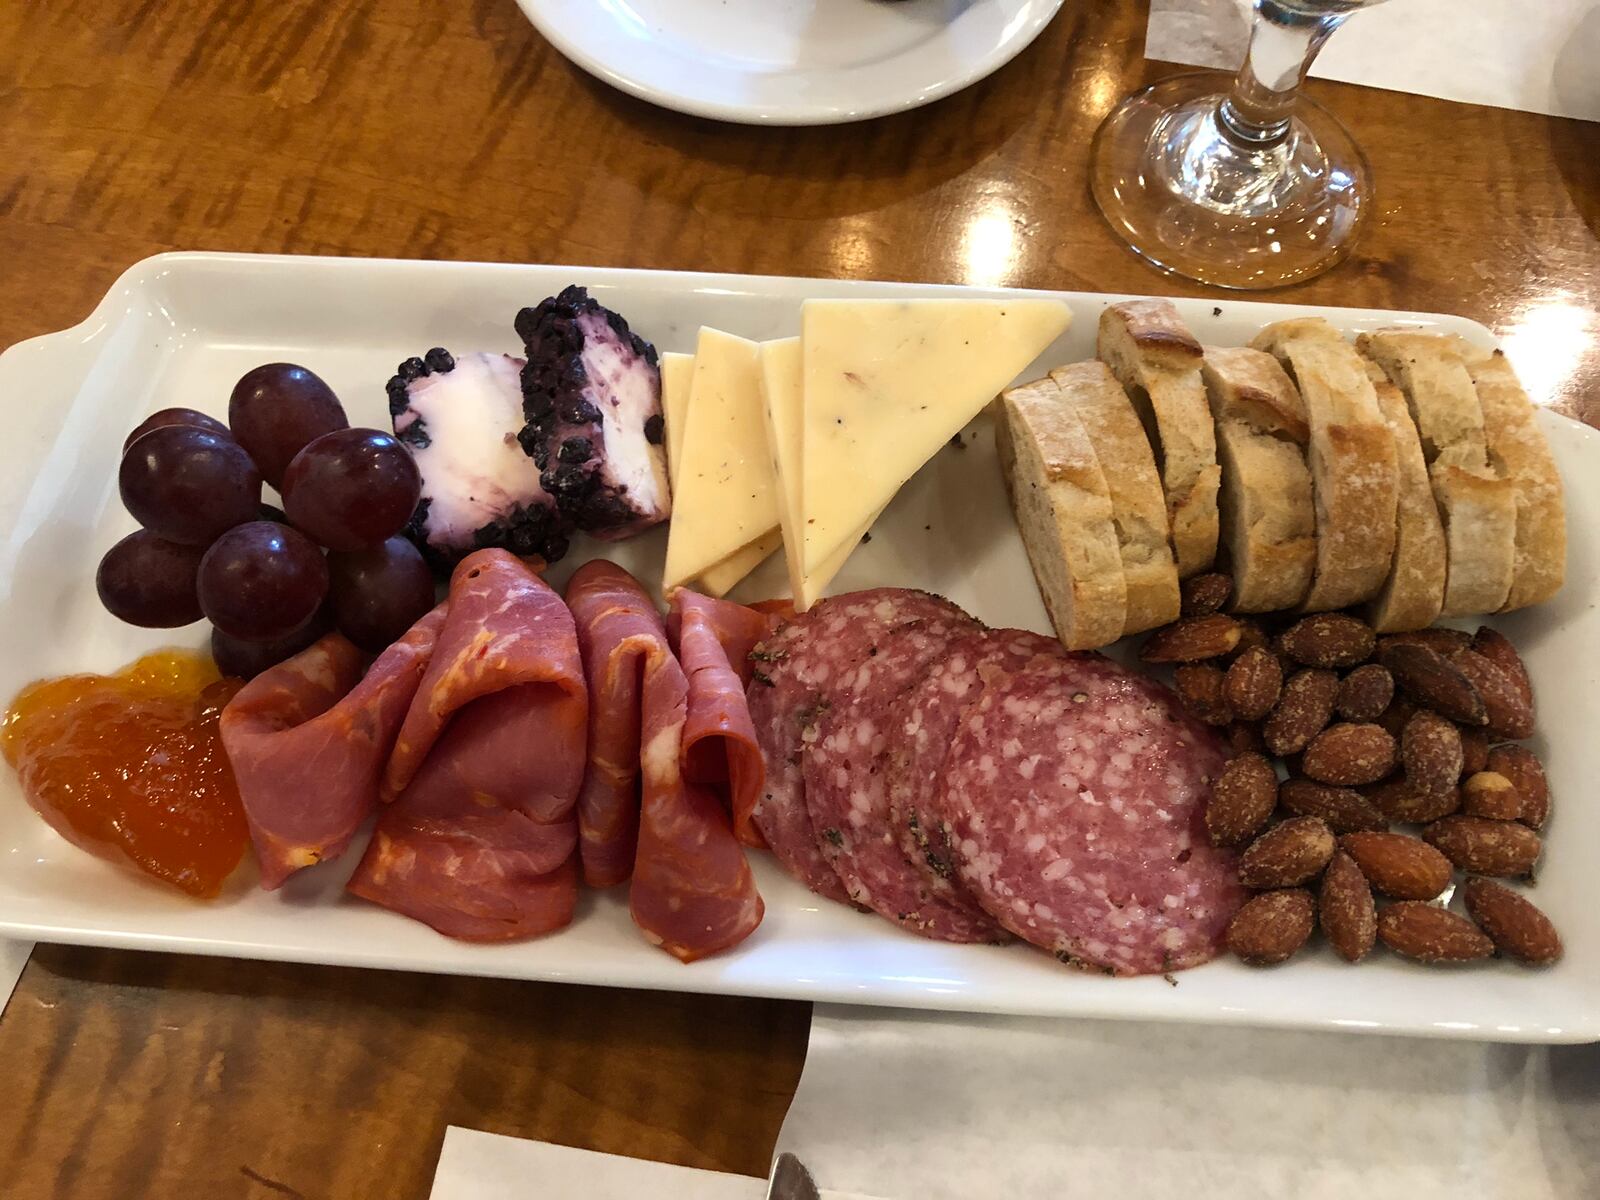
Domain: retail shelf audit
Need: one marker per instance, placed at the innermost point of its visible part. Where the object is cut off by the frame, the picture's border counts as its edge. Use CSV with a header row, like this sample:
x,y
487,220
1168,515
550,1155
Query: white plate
x,y
179,329
790,62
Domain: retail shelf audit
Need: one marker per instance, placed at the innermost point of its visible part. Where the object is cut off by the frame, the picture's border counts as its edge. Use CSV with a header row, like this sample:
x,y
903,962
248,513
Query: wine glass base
x,y
1196,202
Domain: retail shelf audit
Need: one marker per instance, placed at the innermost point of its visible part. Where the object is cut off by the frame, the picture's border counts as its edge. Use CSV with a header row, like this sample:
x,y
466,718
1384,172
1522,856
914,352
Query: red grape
x,y
352,488
276,409
175,416
245,660
380,592
261,581
187,484
149,581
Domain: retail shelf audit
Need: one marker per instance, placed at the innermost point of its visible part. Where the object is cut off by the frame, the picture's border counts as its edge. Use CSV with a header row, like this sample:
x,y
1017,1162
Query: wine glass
x,y
1249,186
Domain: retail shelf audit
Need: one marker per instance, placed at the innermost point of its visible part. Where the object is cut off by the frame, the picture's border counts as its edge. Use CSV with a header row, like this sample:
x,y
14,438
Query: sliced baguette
x,y
1268,520
1413,595
1157,361
1352,459
1063,509
1138,506
1519,451
1477,507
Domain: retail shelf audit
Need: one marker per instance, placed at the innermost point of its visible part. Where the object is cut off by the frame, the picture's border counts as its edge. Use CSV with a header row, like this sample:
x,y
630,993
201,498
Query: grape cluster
x,y
270,581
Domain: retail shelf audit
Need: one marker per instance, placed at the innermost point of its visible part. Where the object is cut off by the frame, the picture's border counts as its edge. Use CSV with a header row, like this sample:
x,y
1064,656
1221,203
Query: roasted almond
x,y
1430,750
1244,737
1474,750
1344,810
1440,640
1302,711
1509,714
1490,794
1193,639
1272,926
1290,853
1200,688
1484,847
1252,636
1430,679
1402,803
1329,640
1254,683
1394,718
1365,693
1521,766
1241,800
1514,925
1202,595
1431,934
1497,648
1345,909
1349,753
1398,865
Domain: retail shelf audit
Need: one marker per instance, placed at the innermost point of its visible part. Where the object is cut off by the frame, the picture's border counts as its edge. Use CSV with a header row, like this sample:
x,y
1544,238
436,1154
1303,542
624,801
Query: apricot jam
x,y
131,767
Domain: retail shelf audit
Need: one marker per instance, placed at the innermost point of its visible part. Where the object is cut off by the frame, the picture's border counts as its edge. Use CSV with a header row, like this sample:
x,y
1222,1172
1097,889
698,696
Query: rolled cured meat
x,y
692,893
479,835
308,740
713,640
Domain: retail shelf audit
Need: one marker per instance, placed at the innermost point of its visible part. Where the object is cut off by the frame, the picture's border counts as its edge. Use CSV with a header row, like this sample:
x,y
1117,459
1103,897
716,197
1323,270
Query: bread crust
x,y
1063,508
1477,504
1157,361
1138,506
1413,595
1351,456
1268,519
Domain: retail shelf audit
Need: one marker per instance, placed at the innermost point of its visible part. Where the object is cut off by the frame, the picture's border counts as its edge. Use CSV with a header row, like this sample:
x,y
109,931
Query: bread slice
x,y
1413,595
1477,507
1519,451
1268,520
1351,454
1063,508
1157,361
1138,507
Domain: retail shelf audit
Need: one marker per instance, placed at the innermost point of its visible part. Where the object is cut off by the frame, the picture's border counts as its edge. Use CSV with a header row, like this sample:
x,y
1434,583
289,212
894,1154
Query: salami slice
x,y
922,721
791,684
1072,798
846,786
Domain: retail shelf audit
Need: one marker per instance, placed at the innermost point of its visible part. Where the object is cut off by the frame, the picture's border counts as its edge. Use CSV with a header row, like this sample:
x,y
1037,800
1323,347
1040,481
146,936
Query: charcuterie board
x,y
178,329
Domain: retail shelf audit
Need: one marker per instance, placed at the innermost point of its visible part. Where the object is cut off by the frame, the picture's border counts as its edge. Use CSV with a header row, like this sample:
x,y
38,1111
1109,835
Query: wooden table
x,y
414,128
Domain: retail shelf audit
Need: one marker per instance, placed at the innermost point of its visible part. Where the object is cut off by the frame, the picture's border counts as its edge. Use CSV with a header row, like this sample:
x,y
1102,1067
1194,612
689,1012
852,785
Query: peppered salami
x,y
922,720
1072,799
795,672
845,785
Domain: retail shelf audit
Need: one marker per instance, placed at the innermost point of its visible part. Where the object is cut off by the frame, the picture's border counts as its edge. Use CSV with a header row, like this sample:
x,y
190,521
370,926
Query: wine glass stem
x,y
1284,40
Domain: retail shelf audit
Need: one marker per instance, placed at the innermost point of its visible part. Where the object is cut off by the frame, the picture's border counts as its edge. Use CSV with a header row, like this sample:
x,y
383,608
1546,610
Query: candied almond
x,y
1516,927
1431,934
1290,853
1485,847
1490,794
1401,802
1242,799
1329,640
1193,639
1349,753
1345,909
1272,926
1521,766
1430,750
1204,594
1200,689
1398,865
1508,713
1254,683
1302,711
1497,648
1365,693
1345,810
1433,681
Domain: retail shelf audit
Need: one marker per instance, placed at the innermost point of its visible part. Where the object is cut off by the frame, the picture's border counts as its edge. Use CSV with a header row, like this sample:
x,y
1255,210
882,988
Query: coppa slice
x,y
795,671
846,792
1072,800
921,722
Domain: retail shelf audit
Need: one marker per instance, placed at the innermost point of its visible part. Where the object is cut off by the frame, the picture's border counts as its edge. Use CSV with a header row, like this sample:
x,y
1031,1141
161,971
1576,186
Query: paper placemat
x,y
490,1166
1541,58
950,1107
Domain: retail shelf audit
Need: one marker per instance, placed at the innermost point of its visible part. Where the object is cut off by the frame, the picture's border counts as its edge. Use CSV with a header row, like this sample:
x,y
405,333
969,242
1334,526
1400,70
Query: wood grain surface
x,y
414,128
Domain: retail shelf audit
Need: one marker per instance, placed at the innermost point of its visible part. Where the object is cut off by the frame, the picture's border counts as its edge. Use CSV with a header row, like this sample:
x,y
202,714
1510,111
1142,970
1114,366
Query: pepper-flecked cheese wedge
x,y
886,384
725,493
784,404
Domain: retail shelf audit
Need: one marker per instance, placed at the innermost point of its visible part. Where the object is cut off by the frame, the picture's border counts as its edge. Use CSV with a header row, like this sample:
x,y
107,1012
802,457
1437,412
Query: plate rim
x,y
795,113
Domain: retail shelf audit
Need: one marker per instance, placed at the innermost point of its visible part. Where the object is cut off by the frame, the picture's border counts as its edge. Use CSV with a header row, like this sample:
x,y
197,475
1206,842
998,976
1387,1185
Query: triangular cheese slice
x,y
720,578
887,383
781,391
725,495
677,373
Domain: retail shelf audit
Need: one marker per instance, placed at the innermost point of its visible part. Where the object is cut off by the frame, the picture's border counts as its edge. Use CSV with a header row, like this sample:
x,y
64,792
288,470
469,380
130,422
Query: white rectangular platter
x,y
180,329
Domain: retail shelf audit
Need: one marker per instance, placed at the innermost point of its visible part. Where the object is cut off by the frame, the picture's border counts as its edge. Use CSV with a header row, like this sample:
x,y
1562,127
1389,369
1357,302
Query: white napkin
x,y
13,957
1539,57
489,1166
951,1107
